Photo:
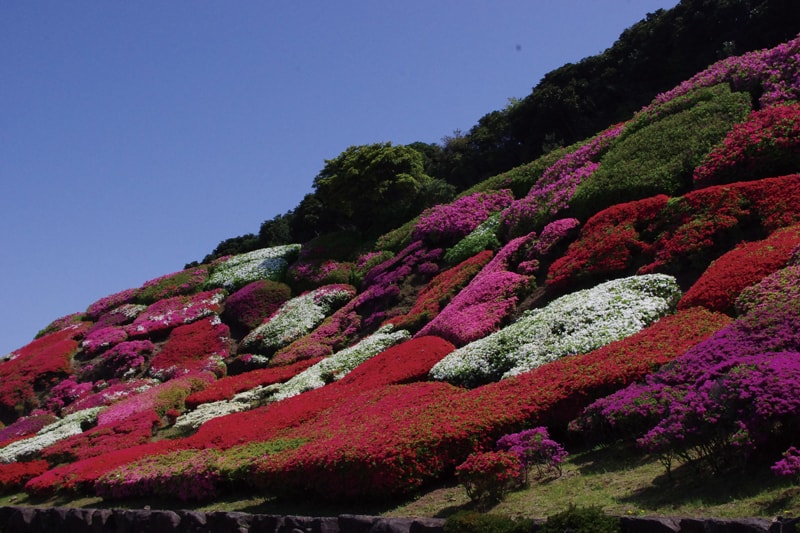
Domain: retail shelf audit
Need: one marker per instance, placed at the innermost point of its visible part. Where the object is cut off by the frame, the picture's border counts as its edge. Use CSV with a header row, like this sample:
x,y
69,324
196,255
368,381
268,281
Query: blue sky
x,y
135,136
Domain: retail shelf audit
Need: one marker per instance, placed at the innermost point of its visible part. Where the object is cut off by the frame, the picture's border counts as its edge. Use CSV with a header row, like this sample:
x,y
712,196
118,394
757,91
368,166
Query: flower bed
x,y
197,347
577,323
485,302
13,476
296,318
102,339
125,360
448,223
439,291
178,283
239,270
766,144
43,362
675,235
167,314
748,263
664,396
227,387
248,307
781,285
26,449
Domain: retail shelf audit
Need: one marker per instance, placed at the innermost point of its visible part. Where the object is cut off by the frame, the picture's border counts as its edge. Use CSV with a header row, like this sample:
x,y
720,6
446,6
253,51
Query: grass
x,y
620,480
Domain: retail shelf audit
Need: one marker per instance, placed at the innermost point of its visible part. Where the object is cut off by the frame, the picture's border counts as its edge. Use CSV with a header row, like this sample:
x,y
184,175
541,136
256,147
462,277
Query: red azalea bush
x,y
250,305
488,476
40,364
199,346
439,291
766,144
227,387
13,476
679,234
723,281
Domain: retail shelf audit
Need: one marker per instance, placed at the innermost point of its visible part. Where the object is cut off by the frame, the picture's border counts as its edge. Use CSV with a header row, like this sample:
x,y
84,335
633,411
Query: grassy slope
x,y
621,481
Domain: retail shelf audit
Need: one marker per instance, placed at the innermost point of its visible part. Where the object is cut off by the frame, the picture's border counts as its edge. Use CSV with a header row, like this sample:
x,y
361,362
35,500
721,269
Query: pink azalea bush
x,y
451,222
172,312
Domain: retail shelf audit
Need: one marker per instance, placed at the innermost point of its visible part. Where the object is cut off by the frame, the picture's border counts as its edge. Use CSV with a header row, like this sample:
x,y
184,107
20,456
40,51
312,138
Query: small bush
x,y
489,476
474,522
581,520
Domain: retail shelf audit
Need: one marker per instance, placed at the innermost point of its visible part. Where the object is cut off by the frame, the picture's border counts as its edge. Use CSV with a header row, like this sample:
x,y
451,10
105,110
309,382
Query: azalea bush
x,y
488,476
169,313
26,449
780,285
124,360
675,235
268,263
551,194
197,347
536,450
248,307
707,403
577,323
102,339
297,317
720,285
440,290
484,237
769,74
342,362
485,302
764,145
448,223
43,362
110,302
13,476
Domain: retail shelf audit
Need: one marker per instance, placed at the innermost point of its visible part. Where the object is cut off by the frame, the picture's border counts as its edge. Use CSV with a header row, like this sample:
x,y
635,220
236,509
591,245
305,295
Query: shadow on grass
x,y
689,485
609,459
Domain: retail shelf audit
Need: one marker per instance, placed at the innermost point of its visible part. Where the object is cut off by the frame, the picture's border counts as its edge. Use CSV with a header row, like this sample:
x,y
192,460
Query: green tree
x,y
374,187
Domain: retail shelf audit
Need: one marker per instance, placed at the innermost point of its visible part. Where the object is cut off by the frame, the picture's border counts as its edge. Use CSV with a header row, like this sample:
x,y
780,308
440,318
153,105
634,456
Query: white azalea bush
x,y
338,365
68,426
239,270
573,324
297,317
244,401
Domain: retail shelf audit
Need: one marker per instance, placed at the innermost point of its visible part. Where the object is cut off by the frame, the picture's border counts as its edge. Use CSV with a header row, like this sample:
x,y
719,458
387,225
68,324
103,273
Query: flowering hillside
x,y
644,287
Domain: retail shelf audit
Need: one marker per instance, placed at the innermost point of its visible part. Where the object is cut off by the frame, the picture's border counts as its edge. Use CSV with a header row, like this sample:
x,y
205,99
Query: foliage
x,y
660,157
581,520
373,187
484,237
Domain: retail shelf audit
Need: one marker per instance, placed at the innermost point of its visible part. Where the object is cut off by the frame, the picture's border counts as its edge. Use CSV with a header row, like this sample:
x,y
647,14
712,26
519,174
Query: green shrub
x,y
520,179
581,520
474,522
484,237
660,157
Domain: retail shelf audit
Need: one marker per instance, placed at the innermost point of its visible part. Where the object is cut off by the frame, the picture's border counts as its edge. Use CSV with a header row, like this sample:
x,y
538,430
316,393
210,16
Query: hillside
x,y
639,285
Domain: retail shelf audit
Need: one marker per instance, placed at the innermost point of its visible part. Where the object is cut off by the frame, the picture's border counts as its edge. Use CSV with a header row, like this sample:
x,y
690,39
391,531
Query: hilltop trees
x,y
374,187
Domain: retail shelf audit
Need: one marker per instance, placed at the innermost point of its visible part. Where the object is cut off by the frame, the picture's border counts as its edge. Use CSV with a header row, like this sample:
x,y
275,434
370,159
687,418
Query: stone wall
x,y
78,520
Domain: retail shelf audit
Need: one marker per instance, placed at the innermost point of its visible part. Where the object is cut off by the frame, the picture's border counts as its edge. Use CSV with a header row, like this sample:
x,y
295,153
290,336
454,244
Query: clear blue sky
x,y
137,135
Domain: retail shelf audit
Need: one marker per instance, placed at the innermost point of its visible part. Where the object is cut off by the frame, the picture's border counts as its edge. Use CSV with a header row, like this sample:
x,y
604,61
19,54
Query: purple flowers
x,y
450,222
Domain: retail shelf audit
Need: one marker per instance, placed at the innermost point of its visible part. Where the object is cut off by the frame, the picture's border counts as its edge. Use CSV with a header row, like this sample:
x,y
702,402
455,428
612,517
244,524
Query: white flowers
x,y
50,434
342,362
296,318
573,324
267,263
